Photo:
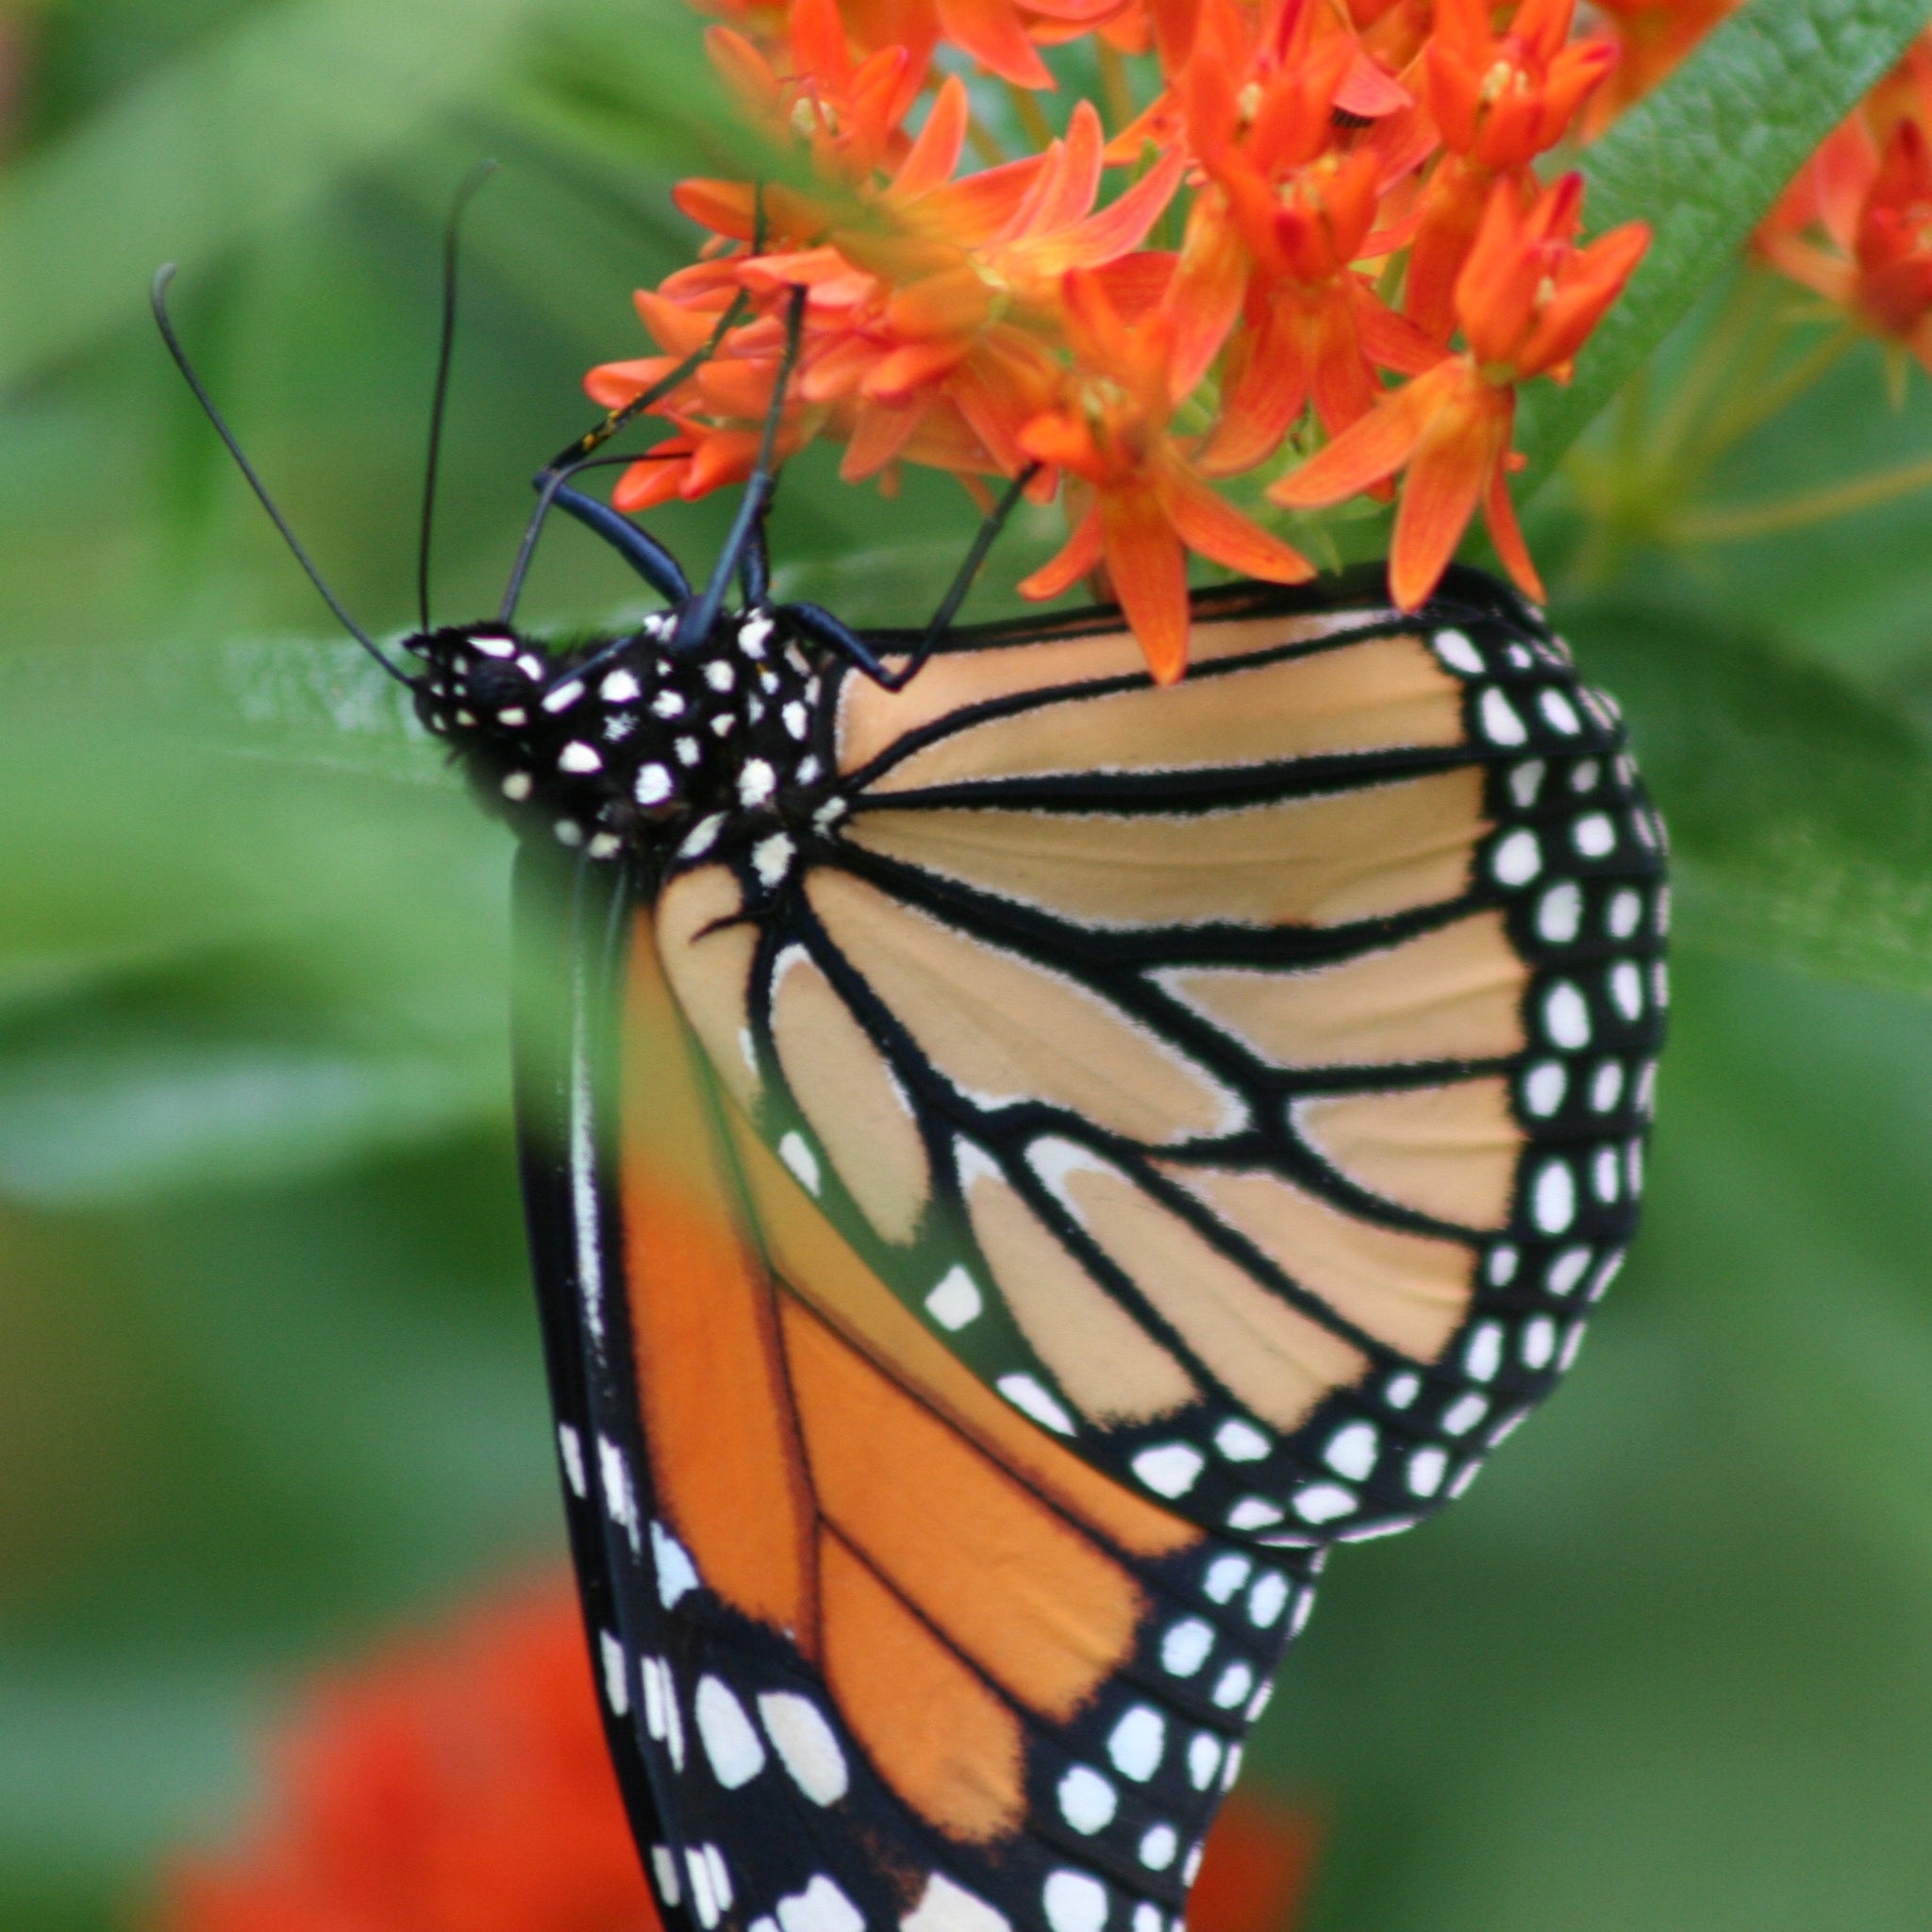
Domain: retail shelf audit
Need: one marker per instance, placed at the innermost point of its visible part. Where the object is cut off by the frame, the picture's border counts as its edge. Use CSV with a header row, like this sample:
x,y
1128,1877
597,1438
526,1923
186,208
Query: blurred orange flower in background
x,y
1856,227
458,1782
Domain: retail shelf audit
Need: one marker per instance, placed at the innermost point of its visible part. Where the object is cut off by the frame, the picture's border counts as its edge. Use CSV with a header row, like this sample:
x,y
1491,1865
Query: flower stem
x,y
1116,92
1033,124
1739,522
1758,402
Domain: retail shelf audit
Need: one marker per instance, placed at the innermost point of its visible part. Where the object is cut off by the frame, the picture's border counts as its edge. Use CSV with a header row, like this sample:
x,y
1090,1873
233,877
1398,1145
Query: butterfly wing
x,y
872,1648
998,1234
1249,1080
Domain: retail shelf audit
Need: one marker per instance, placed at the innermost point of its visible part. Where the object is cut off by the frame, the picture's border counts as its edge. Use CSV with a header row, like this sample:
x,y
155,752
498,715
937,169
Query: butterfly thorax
x,y
620,751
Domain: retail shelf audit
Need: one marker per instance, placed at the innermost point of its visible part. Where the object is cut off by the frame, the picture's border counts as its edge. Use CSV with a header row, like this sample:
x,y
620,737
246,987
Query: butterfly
x,y
1020,1163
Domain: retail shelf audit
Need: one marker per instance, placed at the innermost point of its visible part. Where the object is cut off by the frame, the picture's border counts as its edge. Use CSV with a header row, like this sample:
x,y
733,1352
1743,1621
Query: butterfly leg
x,y
695,620
825,629
637,548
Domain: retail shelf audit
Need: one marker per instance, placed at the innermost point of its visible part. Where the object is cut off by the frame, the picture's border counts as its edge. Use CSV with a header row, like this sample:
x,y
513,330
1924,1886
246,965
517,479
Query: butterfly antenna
x,y
159,296
698,617
445,357
594,439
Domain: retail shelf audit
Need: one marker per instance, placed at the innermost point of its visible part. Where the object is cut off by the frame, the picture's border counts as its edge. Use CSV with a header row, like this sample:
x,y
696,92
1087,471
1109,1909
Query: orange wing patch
x,y
724,1452
783,1452
937,1736
1002,1028
1410,1290
1456,993
1061,1615
1271,1356
855,1106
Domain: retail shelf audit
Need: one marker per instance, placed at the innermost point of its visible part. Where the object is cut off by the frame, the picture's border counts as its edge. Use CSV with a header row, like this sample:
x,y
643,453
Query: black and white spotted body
x,y
637,753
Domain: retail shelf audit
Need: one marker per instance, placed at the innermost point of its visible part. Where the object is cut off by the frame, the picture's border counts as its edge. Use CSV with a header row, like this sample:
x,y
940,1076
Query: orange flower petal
x,y
1150,577
1375,447
1267,386
1505,533
1461,447
657,479
1206,522
1080,554
990,31
936,153
1206,293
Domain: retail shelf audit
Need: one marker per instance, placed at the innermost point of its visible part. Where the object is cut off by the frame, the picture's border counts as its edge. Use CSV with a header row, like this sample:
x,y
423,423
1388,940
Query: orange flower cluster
x,y
1856,227
459,1784
1327,228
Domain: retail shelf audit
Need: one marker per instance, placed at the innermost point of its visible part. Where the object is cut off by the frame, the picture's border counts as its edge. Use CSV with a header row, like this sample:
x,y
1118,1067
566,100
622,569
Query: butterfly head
x,y
615,745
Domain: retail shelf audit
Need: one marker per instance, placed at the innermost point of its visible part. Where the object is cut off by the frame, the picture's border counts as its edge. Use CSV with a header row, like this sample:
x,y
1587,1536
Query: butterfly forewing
x,y
1249,1079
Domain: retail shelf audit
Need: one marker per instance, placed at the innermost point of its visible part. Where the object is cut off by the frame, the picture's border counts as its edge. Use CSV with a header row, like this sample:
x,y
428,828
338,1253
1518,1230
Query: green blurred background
x,y
269,1379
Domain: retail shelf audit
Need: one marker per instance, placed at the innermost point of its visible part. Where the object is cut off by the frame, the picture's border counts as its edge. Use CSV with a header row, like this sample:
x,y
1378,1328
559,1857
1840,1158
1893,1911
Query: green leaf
x,y
1800,811
1700,160
235,139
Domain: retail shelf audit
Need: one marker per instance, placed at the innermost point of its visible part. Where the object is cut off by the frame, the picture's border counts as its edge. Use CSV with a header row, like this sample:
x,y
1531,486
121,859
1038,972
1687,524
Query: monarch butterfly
x,y
1019,1163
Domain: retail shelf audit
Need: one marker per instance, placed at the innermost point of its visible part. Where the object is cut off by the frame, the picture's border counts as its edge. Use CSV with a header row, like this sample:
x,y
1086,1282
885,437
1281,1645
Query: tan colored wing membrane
x,y
1109,1366
1449,1152
1268,1355
1003,1029
1385,694
870,720
1318,862
1406,1289
707,960
1452,994
856,1107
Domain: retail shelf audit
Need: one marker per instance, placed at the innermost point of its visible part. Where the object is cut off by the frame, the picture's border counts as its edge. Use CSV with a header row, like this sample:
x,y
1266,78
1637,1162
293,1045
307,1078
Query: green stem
x,y
1734,525
1116,92
984,142
1033,124
1757,402
1737,321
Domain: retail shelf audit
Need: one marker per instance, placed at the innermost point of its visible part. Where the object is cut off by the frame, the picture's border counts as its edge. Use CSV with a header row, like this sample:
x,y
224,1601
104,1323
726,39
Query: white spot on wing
x,y
571,1446
806,1745
620,1496
1184,1645
616,1679
820,1907
1075,1902
945,1906
1169,1468
803,1162
1137,1742
1087,1801
1027,1394
676,1573
955,1301
729,1740
665,1869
